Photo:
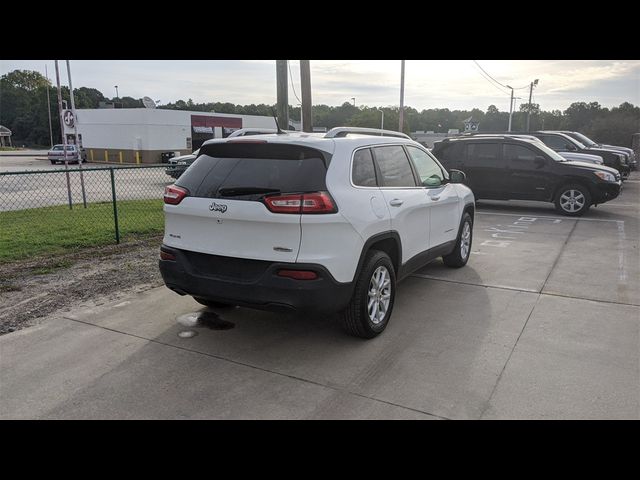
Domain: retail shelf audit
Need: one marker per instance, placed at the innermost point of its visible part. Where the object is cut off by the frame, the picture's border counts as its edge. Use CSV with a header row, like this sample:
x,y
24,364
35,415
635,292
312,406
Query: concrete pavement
x,y
542,323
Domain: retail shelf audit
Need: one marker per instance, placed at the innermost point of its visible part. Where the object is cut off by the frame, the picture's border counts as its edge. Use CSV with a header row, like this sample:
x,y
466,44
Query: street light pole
x,y
46,74
64,136
533,84
401,121
75,135
117,96
510,108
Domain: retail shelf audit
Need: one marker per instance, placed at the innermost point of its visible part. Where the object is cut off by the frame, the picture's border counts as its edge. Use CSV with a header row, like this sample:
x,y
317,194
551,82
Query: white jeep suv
x,y
313,222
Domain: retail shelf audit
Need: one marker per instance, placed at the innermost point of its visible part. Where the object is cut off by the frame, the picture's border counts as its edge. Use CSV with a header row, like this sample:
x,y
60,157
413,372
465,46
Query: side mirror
x,y
456,176
540,161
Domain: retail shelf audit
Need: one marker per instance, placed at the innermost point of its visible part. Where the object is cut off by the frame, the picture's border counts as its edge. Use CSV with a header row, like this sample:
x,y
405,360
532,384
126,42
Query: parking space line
x,y
577,219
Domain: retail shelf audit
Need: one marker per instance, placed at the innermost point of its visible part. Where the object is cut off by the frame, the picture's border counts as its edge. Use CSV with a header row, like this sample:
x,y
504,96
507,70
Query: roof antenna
x,y
279,132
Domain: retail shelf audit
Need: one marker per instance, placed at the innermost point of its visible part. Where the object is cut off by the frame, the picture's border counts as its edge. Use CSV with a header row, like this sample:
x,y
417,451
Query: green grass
x,y
55,230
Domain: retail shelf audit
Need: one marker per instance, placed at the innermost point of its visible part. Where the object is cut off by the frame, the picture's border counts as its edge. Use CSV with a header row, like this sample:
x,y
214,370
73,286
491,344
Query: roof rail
x,y
344,131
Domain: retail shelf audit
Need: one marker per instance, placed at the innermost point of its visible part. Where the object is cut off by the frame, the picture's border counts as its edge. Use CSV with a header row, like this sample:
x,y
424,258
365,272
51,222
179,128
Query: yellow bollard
x,y
120,154
106,156
91,153
137,157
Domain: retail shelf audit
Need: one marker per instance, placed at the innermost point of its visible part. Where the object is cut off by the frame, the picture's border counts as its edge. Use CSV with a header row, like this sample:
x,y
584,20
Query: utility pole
x,y
282,107
535,82
510,108
64,137
305,86
75,136
46,74
401,122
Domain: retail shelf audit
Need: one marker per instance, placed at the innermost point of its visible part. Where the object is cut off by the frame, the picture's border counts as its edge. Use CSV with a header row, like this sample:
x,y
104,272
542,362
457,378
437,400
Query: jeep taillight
x,y
173,195
309,203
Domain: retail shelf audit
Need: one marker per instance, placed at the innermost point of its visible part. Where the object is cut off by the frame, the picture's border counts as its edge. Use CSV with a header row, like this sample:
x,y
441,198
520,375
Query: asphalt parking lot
x,y
543,323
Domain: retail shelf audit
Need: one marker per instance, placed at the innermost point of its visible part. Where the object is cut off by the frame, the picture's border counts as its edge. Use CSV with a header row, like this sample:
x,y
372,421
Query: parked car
x,y
243,132
574,156
512,168
591,144
564,143
582,157
313,222
177,165
74,154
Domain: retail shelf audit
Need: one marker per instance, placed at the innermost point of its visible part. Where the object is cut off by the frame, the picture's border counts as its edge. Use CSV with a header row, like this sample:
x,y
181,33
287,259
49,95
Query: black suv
x,y
561,142
510,168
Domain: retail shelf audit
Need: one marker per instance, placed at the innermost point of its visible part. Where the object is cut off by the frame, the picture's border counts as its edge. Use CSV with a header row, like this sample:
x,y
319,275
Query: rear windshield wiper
x,y
236,191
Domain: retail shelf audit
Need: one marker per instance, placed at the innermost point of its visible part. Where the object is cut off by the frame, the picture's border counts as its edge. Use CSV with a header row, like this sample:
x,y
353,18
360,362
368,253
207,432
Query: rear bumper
x,y
264,290
606,191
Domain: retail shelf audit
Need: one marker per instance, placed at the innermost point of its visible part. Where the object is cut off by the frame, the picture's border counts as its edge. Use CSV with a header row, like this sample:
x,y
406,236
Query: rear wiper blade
x,y
235,191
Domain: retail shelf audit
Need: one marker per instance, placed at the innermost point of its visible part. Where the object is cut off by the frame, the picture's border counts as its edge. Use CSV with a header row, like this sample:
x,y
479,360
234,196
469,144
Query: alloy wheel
x,y
572,201
379,295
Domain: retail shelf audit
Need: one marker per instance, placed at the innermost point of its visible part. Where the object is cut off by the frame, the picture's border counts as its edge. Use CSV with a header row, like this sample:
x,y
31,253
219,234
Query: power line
x,y
505,86
493,84
487,73
292,87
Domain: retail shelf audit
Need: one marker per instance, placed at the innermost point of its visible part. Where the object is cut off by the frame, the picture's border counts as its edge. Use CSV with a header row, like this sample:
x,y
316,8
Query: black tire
x,y
563,199
53,162
355,318
459,258
211,303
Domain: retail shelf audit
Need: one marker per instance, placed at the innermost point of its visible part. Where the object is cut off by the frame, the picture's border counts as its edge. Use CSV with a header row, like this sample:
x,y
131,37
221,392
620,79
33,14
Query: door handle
x,y
435,198
396,202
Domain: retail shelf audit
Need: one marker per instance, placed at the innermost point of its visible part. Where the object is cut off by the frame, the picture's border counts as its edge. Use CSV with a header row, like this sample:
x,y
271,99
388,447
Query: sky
x,y
452,84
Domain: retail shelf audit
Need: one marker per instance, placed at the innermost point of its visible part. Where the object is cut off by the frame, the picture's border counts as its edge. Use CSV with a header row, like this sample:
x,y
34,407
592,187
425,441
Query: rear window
x,y
236,171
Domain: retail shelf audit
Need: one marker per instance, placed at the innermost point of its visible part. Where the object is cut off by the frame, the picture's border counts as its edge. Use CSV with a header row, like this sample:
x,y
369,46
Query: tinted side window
x,y
453,156
483,155
364,173
555,143
518,156
395,167
429,171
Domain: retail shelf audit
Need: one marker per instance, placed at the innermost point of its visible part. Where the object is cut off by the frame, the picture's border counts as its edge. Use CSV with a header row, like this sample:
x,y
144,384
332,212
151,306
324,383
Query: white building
x,y
141,135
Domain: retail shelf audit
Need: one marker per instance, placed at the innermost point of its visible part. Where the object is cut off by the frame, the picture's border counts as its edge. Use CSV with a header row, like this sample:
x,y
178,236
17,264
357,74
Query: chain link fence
x,y
49,211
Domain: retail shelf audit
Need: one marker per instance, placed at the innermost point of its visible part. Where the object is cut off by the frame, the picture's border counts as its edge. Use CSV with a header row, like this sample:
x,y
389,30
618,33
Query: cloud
x,y
453,84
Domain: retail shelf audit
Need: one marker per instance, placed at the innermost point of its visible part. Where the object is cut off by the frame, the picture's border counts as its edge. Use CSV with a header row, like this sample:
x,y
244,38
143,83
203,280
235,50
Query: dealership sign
x,y
68,118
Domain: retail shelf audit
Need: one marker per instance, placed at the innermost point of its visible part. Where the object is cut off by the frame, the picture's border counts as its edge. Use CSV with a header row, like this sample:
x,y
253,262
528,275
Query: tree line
x,y
23,109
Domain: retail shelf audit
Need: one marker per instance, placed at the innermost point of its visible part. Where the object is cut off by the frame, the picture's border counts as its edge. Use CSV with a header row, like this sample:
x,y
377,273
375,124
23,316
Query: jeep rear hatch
x,y
244,200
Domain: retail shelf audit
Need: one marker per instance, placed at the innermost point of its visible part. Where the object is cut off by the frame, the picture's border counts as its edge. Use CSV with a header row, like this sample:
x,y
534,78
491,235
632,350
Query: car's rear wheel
x,y
369,310
573,200
211,303
460,255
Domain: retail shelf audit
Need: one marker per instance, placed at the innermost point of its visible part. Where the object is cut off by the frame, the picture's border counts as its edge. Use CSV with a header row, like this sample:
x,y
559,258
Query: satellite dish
x,y
148,102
